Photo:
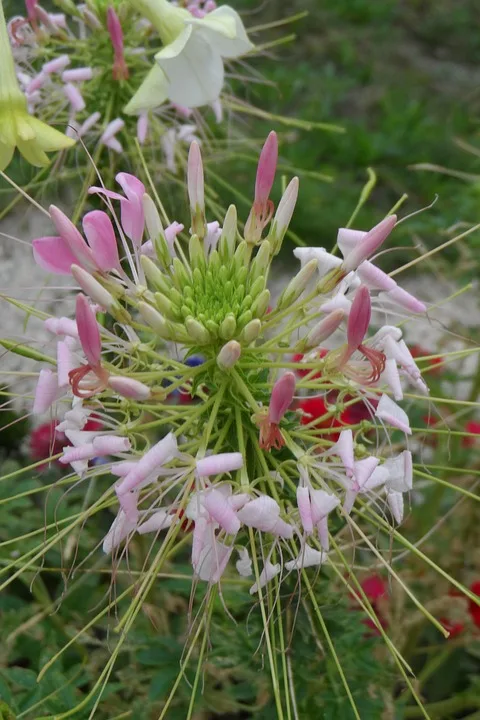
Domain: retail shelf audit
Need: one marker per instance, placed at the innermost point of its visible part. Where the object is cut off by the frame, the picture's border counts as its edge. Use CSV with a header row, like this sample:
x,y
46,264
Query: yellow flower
x,y
17,128
189,68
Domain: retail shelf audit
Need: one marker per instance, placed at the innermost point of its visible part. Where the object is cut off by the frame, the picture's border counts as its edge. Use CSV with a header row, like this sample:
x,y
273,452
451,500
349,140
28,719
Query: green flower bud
x,y
226,244
261,262
197,331
180,275
164,305
297,285
257,286
154,275
251,331
260,305
228,327
153,318
196,253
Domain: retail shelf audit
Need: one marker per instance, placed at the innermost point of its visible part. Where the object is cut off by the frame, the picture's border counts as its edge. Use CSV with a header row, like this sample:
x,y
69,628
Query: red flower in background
x,y
473,608
472,426
308,368
314,408
435,364
376,590
45,441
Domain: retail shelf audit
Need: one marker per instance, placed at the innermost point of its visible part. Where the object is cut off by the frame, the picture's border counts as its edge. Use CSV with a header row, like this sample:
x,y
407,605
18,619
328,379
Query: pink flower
x,y
57,254
262,208
120,70
281,399
131,206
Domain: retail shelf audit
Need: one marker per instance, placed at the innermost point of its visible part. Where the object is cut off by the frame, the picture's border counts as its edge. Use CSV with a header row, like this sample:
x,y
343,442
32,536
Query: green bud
x,y
164,304
212,327
197,331
196,253
214,262
260,305
240,257
162,251
153,318
180,275
226,244
246,303
297,285
261,262
244,318
154,275
257,286
251,331
241,276
176,297
228,327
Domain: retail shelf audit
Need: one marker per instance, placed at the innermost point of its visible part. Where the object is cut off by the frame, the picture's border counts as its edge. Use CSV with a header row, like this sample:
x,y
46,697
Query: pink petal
x,y
88,331
67,230
132,215
153,460
129,504
160,520
110,444
375,278
267,167
304,508
282,397
369,243
100,234
62,326
66,362
219,509
217,464
359,318
129,388
344,448
407,301
46,392
53,255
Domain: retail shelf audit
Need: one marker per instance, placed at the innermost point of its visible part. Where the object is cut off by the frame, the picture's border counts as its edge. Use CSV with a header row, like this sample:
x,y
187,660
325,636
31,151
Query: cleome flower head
x,y
19,129
193,315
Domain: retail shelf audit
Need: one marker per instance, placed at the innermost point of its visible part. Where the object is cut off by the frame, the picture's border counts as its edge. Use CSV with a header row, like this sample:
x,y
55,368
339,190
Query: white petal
x,y
224,29
269,571
194,69
395,503
347,239
326,261
391,377
120,528
152,92
158,521
244,563
391,413
308,557
322,504
401,473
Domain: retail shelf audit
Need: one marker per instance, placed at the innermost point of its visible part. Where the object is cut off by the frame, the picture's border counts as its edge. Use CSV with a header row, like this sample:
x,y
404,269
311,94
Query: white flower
x,y
189,68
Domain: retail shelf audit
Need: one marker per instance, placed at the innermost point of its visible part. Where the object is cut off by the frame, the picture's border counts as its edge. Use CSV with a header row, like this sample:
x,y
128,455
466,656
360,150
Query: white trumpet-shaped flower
x,y
189,68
